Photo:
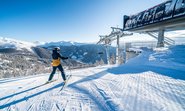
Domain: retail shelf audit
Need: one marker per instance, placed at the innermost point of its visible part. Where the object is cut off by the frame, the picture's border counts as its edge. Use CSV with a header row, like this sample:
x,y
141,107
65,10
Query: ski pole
x,y
58,75
68,64
69,67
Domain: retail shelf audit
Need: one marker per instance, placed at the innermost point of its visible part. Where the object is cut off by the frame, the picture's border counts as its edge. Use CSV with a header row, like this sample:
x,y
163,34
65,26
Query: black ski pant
x,y
54,70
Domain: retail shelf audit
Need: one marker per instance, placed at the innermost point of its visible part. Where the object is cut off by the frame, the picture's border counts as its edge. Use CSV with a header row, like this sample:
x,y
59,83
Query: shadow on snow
x,y
174,73
89,93
28,97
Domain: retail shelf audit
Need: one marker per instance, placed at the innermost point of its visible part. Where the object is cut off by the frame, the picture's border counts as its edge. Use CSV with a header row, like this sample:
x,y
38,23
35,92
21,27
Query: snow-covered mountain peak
x,y
17,44
62,43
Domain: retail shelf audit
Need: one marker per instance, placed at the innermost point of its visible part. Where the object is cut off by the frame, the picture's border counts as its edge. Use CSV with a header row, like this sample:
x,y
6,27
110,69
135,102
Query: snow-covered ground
x,y
152,81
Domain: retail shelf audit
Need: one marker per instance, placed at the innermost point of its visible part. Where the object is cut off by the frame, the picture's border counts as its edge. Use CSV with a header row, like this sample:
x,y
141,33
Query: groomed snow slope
x,y
153,81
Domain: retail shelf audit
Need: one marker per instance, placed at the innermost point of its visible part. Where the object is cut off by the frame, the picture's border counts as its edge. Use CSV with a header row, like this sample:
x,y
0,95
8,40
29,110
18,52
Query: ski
x,y
48,82
65,83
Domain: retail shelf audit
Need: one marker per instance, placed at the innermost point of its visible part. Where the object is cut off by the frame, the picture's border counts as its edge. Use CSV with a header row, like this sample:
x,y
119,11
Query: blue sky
x,y
65,20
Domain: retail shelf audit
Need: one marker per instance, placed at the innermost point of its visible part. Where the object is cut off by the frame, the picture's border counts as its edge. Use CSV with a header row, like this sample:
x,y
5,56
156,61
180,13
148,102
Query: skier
x,y
57,64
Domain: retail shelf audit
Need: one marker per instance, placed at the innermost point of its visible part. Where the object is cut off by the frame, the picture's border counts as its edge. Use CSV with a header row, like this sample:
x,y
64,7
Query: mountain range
x,y
20,58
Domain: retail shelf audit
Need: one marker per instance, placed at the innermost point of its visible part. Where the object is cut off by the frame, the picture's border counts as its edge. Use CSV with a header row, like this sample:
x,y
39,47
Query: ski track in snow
x,y
96,89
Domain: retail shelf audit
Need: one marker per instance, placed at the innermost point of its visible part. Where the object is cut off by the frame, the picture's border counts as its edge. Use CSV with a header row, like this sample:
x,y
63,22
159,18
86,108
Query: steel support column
x,y
118,51
160,42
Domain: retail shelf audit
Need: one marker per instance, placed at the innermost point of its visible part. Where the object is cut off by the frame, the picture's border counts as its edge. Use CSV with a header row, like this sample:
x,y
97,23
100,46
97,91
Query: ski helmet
x,y
57,48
